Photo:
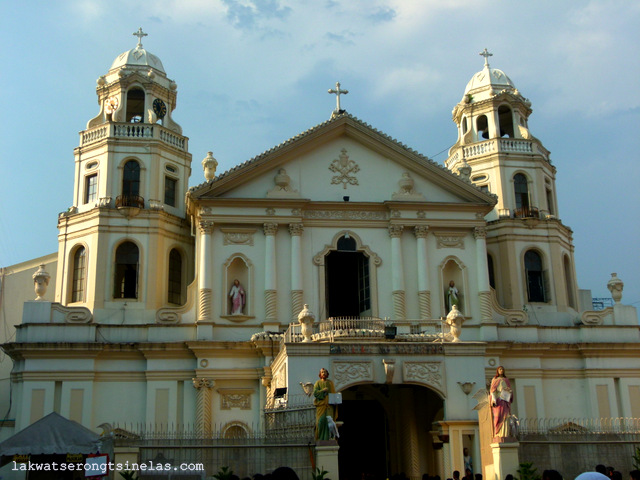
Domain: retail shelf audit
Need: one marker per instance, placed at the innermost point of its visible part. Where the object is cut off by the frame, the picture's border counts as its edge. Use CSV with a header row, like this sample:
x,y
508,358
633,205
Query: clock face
x,y
111,105
159,108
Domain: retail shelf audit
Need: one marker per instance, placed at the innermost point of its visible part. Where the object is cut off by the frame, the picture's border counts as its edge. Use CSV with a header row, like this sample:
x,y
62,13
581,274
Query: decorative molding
x,y
319,257
424,302
204,304
595,317
449,240
511,317
296,304
73,314
396,213
389,369
206,210
271,305
395,231
421,214
425,373
479,232
407,191
296,212
206,227
270,228
282,188
399,308
348,373
199,383
346,170
421,231
235,398
168,316
270,211
344,215
238,236
296,229
486,313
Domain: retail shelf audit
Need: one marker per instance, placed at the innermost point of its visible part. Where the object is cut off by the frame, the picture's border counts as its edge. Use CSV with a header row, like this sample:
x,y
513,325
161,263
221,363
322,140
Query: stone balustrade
x,y
132,131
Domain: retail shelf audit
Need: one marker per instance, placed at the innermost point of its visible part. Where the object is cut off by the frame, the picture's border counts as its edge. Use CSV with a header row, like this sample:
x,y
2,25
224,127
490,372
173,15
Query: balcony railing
x,y
370,328
578,426
526,212
499,145
133,131
129,201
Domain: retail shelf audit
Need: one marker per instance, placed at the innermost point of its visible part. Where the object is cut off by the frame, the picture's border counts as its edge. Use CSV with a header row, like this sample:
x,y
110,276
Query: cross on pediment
x,y
337,91
140,34
485,53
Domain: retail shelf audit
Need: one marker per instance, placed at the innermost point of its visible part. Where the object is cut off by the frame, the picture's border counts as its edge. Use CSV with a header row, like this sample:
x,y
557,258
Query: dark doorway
x,y
347,281
363,440
386,431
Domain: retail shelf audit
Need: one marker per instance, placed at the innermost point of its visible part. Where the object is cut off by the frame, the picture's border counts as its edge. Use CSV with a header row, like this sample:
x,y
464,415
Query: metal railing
x,y
125,201
578,426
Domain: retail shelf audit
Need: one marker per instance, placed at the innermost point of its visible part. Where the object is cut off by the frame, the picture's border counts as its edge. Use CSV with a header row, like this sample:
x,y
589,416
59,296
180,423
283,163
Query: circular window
x,y
170,168
91,165
479,178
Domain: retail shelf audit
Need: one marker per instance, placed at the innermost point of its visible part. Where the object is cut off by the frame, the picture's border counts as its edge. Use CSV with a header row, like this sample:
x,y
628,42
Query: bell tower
x,y
125,243
530,251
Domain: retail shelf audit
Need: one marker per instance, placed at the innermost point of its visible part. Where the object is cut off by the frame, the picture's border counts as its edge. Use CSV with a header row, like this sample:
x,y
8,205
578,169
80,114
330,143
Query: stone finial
x,y
41,282
615,286
209,164
464,170
306,318
455,320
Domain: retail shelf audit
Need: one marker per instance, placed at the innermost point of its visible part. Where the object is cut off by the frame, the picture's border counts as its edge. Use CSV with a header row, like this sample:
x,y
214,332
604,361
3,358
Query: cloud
x,y
383,14
246,14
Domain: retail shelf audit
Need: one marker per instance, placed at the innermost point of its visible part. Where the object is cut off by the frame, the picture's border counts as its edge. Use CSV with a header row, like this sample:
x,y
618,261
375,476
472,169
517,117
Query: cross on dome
x,y
140,34
485,53
337,91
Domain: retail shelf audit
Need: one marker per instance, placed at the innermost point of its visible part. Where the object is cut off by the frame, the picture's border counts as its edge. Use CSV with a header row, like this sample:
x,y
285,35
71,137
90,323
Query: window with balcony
x,y
125,283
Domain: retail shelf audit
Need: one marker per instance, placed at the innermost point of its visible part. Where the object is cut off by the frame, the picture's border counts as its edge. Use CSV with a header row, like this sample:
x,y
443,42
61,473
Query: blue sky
x,y
253,73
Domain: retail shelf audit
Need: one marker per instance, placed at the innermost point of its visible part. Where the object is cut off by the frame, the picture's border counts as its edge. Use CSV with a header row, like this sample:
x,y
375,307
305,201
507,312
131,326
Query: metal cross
x,y
139,34
338,92
485,53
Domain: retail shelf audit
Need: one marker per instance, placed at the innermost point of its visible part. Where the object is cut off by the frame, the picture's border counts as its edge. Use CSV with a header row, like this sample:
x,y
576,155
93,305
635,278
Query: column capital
x,y
270,228
206,226
480,232
421,231
296,229
199,383
395,231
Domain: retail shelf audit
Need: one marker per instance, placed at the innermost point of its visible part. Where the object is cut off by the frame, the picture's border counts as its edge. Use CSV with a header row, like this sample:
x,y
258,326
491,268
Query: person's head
x,y
324,373
284,473
465,451
601,469
456,474
467,472
609,471
500,371
616,475
508,477
634,475
478,476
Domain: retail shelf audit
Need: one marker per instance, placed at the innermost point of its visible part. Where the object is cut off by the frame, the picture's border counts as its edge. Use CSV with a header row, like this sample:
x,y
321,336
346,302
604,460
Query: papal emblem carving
x,y
345,168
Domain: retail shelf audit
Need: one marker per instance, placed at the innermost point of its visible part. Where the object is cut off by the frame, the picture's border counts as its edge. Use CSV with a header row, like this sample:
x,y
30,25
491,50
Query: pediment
x,y
342,157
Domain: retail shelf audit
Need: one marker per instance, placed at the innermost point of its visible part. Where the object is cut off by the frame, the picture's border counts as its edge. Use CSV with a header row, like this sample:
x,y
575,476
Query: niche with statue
x,y
237,288
452,275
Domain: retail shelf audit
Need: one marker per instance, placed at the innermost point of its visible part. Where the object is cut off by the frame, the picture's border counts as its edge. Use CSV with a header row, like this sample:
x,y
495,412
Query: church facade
x,y
177,306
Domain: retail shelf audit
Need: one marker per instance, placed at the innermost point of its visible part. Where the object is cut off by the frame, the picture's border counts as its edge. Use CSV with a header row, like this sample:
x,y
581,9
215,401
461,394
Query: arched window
x,y
131,179
348,280
79,275
175,277
482,126
521,190
505,120
125,283
135,105
536,281
464,125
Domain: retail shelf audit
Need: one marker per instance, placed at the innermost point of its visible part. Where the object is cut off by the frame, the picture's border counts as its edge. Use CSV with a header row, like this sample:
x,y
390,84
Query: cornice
x,y
230,373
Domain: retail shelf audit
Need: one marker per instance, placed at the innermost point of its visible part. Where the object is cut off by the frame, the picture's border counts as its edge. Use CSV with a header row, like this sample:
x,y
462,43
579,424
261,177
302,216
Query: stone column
x,y
424,293
397,273
205,296
295,230
270,284
411,453
203,388
484,294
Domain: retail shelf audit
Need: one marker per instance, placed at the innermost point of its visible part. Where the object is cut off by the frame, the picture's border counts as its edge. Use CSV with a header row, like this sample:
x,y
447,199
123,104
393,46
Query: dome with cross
x,y
488,81
138,57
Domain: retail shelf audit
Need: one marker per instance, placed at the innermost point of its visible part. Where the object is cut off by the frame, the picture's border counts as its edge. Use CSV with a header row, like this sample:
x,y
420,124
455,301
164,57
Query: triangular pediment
x,y
342,157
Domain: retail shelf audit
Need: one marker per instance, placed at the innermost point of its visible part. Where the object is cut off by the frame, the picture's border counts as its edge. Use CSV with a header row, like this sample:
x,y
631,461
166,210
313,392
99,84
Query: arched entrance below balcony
x,y
386,431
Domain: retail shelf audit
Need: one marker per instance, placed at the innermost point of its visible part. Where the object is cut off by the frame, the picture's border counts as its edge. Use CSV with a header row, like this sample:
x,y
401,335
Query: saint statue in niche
x,y
500,399
452,296
238,297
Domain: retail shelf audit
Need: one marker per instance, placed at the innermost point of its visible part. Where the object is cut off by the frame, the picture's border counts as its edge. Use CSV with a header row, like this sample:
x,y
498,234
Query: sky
x,y
253,73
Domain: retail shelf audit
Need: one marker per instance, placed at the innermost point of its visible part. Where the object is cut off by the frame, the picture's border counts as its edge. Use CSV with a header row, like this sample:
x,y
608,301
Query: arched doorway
x,y
386,431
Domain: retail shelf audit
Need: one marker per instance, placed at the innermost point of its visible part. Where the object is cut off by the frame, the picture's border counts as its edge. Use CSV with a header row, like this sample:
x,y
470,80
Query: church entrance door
x,y
386,431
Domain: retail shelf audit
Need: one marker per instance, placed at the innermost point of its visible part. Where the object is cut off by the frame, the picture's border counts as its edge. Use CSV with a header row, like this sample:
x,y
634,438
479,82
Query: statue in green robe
x,y
321,391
